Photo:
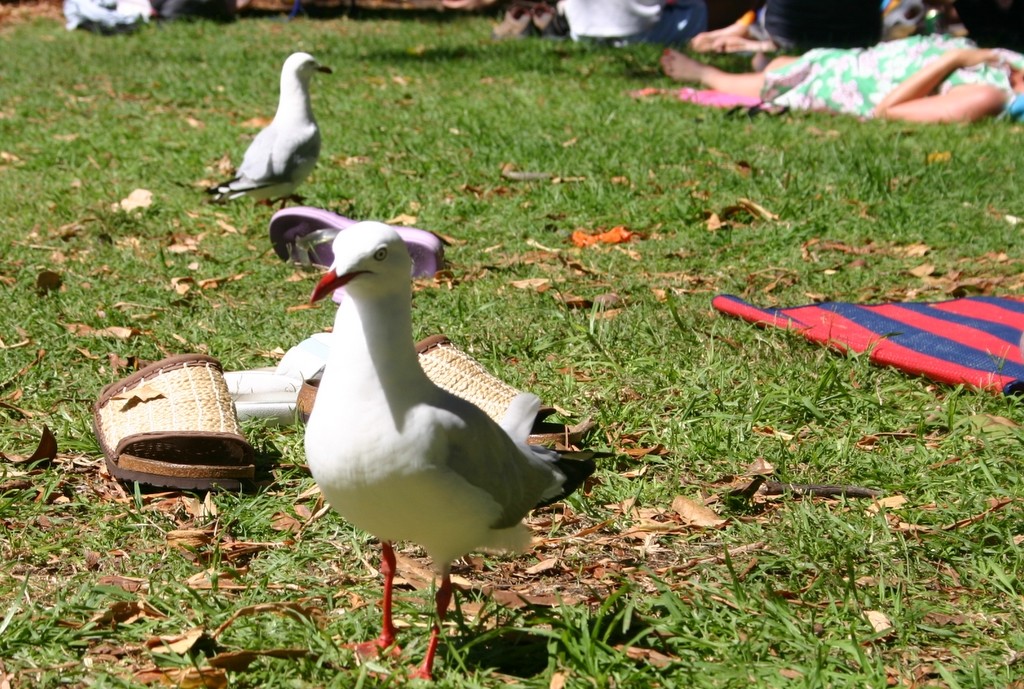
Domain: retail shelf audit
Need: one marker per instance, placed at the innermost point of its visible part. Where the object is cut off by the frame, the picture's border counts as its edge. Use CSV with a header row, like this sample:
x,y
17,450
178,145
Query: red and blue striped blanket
x,y
974,340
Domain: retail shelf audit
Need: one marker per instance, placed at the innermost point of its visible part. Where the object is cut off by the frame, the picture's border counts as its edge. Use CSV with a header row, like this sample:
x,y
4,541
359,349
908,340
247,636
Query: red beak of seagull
x,y
330,282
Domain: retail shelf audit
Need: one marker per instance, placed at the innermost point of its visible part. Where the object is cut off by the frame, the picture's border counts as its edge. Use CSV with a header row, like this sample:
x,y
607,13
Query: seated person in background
x,y
616,22
104,16
745,35
623,22
993,22
917,79
797,25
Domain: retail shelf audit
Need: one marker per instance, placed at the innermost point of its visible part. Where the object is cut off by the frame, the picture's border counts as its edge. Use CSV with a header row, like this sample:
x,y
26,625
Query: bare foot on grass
x,y
679,67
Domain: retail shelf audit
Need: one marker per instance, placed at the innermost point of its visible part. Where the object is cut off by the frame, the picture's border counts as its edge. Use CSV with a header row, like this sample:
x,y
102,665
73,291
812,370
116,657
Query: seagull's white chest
x,y
389,482
358,446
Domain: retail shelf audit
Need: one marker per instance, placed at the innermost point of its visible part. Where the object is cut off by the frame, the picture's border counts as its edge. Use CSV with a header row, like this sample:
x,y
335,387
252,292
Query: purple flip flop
x,y
303,235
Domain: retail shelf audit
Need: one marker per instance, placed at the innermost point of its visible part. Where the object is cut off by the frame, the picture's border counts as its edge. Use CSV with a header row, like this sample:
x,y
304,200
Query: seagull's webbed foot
x,y
382,645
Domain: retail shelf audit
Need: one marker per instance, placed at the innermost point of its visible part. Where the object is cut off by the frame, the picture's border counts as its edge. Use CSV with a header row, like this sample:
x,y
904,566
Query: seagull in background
x,y
285,152
401,458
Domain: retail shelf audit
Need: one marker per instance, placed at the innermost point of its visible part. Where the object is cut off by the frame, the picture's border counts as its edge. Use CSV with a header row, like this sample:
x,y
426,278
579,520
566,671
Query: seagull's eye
x,y
380,254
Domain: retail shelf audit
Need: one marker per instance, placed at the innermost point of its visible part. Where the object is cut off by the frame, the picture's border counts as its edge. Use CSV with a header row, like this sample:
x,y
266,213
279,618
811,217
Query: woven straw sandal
x,y
173,424
460,374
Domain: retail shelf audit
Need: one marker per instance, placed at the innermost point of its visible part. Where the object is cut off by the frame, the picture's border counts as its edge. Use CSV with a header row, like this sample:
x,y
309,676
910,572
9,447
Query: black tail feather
x,y
576,471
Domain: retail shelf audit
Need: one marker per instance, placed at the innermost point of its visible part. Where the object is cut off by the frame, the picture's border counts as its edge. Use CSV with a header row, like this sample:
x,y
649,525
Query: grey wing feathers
x,y
271,159
518,477
258,166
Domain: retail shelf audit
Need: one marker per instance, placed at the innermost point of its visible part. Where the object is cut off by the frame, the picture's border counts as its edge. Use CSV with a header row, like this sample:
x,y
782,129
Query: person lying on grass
x,y
917,79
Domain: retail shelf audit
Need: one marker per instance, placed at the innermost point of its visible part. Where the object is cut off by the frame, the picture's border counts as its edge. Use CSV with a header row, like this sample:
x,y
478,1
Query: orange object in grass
x,y
617,235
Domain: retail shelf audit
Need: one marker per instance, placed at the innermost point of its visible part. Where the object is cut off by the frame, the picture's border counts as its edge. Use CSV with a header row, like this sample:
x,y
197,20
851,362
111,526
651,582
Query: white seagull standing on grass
x,y
285,152
403,459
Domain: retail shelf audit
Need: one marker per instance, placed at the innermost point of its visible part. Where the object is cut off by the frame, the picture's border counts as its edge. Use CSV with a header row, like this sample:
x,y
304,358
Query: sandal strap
x,y
159,467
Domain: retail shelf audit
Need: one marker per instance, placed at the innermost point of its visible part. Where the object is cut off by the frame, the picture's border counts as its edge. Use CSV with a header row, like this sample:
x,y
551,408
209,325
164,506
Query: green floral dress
x,y
854,81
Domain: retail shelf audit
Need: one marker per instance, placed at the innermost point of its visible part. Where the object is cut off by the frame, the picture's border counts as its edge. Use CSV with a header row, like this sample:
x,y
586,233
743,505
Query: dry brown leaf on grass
x,y
116,331
760,467
239,661
349,161
995,504
223,167
129,584
509,171
756,210
184,244
293,609
832,245
543,566
179,644
647,655
915,250
696,514
889,503
992,424
46,449
189,540
286,523
24,340
638,452
255,123
126,612
402,219
558,680
879,622
214,283
521,599
139,198
221,580
421,578
228,227
574,301
539,285
184,678
200,509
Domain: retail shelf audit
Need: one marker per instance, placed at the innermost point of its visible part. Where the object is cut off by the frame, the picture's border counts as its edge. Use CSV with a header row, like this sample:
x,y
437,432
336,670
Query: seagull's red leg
x,y
442,600
370,649
387,568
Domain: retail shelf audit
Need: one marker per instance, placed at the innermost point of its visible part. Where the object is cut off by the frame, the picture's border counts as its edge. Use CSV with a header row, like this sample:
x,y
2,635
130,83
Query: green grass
x,y
418,118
